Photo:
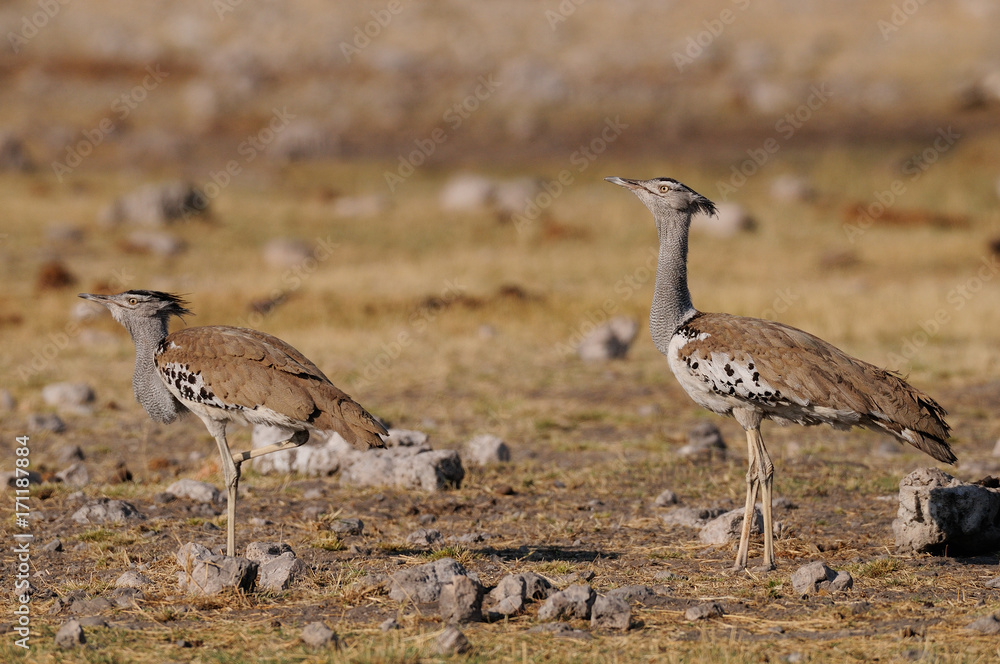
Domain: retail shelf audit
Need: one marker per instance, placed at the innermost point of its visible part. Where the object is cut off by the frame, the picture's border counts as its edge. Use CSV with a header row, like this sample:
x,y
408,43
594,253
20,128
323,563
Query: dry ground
x,y
488,312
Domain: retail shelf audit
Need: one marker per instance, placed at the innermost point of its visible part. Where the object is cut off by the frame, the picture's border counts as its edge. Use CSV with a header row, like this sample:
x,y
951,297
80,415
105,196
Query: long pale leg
x,y
231,469
297,439
753,482
765,475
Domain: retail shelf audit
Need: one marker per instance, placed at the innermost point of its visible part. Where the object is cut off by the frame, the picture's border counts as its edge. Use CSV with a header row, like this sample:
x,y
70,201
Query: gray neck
x,y
671,300
149,389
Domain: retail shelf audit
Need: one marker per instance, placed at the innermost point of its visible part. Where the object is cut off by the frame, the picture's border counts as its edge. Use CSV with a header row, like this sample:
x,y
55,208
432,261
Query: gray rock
x,y
467,192
487,449
666,498
74,476
70,635
76,397
206,573
69,454
424,537
732,218
277,574
318,635
423,583
996,448
574,602
155,242
93,621
90,607
816,576
790,188
126,598
199,492
461,600
285,252
609,341
610,613
985,625
727,527
993,583
452,641
514,590
261,552
704,611
7,401
105,510
45,422
155,204
405,467
938,512
389,624
632,594
132,579
54,546
705,443
319,457
348,526
690,517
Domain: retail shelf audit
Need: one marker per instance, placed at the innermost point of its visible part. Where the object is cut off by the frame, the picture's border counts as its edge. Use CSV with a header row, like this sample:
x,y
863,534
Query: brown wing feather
x,y
806,369
250,369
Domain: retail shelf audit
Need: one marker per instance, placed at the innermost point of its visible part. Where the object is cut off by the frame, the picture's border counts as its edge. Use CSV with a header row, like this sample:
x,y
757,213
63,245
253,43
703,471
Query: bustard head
x,y
133,307
665,197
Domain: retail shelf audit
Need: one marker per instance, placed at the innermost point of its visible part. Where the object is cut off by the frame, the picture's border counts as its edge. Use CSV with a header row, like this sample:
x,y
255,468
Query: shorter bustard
x,y
226,374
757,369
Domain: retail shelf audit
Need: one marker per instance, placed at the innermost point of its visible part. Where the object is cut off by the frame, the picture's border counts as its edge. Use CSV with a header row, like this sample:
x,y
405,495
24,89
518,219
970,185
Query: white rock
x,y
76,397
467,192
609,341
199,492
732,218
487,449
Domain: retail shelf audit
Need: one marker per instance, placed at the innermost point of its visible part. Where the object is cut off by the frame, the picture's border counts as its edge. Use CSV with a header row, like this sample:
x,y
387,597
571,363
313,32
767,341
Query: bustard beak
x,y
100,299
623,182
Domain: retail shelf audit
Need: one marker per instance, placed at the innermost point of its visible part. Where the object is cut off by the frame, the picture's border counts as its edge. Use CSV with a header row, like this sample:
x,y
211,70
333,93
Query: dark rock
x,y
985,625
318,635
727,527
105,510
610,613
632,594
816,576
45,422
348,526
938,512
205,573
704,611
461,600
452,641
423,583
574,602
70,635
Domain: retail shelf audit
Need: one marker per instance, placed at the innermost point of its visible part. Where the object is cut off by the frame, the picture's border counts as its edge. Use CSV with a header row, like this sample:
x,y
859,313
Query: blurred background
x,y
412,192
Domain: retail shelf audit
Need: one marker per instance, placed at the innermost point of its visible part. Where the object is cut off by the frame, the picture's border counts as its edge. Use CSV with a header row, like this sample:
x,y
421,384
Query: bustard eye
x,y
664,188
133,300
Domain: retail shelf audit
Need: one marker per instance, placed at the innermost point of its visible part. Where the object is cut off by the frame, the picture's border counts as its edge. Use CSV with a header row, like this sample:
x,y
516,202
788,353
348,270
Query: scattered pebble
x,y
452,641
704,611
985,625
70,635
318,635
666,498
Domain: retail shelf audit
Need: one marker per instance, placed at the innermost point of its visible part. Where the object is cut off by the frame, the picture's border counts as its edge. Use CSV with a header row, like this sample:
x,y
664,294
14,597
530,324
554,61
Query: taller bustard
x,y
757,369
226,374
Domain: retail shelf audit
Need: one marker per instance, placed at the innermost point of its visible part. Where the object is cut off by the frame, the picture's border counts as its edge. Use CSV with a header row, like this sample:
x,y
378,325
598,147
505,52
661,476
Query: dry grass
x,y
579,431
